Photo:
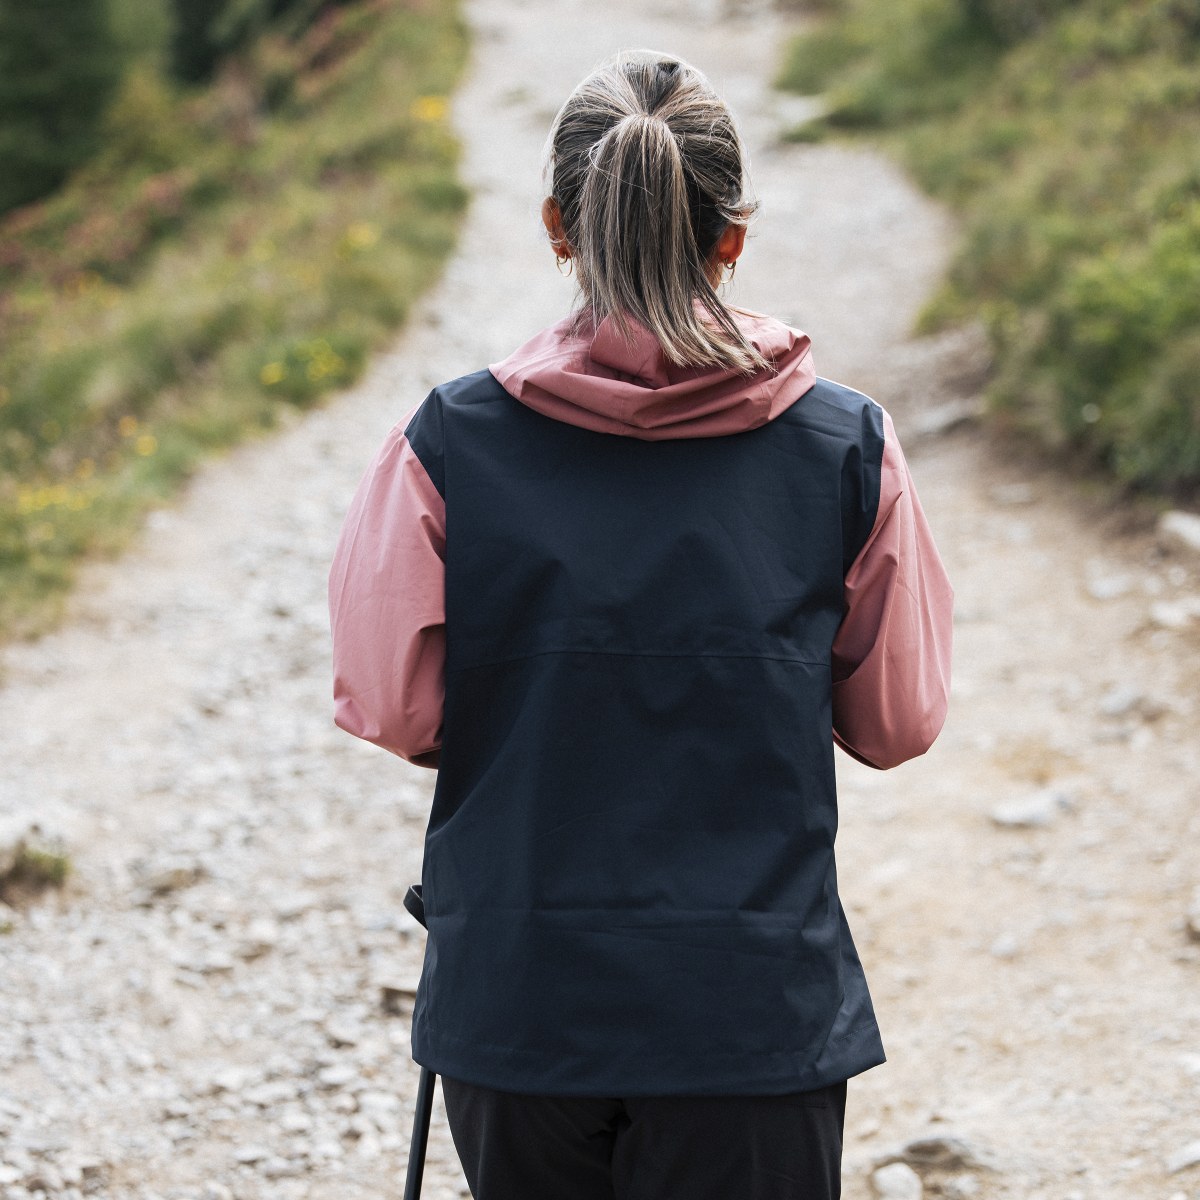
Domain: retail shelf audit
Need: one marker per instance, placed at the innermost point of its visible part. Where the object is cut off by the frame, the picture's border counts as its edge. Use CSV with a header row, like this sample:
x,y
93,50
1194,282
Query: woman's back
x,y
626,589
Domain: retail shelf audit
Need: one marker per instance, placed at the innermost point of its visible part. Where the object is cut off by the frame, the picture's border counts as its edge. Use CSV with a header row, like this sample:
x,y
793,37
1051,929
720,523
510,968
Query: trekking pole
x,y
420,1136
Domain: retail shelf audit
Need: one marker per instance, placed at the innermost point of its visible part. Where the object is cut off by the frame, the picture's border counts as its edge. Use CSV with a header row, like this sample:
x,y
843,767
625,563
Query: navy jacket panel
x,y
629,871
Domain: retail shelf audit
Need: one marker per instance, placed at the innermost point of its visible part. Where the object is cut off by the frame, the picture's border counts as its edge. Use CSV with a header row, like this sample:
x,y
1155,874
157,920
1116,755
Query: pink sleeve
x,y
387,608
891,655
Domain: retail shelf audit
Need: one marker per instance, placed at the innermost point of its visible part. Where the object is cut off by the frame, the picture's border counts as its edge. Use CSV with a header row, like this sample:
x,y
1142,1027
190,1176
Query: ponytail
x,y
648,172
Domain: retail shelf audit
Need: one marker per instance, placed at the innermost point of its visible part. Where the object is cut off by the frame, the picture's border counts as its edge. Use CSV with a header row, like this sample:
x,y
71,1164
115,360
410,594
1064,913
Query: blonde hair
x,y
647,168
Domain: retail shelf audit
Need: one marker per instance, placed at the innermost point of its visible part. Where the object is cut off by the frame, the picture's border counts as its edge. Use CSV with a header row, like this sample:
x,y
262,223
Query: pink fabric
x,y
891,656
387,608
598,380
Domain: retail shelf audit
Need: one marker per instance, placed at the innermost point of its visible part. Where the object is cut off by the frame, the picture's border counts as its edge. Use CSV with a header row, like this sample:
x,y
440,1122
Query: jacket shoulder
x,y
425,428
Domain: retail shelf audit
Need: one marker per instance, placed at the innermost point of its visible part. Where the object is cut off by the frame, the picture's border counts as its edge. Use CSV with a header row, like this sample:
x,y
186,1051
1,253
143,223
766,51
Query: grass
x,y
1067,134
33,870
233,253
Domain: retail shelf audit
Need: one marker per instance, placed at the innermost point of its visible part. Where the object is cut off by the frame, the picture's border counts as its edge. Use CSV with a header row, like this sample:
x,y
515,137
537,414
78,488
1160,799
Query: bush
x,y
1067,133
226,257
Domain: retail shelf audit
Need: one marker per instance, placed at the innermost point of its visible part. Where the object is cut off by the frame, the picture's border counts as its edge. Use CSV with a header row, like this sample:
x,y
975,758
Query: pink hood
x,y
600,381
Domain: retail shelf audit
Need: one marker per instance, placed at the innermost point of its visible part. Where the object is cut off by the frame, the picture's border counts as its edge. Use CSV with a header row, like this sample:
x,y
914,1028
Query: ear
x,y
552,219
730,244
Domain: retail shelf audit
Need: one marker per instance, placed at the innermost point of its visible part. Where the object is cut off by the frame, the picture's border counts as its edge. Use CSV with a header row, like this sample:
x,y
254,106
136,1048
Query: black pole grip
x,y
414,903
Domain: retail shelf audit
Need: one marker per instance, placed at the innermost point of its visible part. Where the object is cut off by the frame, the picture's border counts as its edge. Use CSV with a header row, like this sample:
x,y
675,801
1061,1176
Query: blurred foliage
x,y
58,68
1067,132
206,31
232,252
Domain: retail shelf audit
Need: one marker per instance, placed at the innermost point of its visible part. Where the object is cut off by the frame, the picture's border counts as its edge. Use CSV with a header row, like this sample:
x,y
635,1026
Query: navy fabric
x,y
629,868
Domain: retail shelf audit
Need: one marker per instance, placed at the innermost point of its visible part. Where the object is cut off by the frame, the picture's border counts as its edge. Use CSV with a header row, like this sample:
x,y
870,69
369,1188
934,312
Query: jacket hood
x,y
598,380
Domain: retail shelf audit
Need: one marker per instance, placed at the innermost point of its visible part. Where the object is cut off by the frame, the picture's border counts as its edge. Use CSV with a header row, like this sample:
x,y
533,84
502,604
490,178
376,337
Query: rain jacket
x,y
627,609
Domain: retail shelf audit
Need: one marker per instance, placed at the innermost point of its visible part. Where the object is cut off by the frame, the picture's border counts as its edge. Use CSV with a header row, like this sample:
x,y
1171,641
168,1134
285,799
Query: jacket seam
x,y
496,662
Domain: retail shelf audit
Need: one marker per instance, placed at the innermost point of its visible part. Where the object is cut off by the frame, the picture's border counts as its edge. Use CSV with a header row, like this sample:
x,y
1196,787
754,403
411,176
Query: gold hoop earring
x,y
732,270
559,259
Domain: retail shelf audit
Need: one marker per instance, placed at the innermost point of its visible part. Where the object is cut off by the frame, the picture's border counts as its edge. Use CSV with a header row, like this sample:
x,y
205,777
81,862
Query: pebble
x,y
1035,811
1175,614
1179,531
172,877
1122,701
1006,946
945,418
250,1154
1183,1158
943,1152
1192,917
897,1181
1012,494
1109,587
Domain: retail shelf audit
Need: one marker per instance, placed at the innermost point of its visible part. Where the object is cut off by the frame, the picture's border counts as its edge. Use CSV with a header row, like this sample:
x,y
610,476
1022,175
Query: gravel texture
x,y
215,1006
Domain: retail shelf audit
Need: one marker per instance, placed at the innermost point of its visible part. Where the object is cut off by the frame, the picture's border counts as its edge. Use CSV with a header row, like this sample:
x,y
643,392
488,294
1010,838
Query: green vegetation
x,y
231,252
32,869
1067,133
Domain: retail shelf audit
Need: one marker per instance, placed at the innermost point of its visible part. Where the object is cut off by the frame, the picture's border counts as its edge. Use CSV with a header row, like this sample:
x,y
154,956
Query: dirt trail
x,y
198,1016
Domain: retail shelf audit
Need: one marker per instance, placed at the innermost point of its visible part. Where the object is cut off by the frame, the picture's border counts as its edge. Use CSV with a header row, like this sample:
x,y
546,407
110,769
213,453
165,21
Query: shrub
x,y
1067,133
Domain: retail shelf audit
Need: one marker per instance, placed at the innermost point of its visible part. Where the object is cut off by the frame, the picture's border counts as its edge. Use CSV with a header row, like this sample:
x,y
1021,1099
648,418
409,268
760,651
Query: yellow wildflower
x,y
127,425
361,234
430,108
146,444
272,373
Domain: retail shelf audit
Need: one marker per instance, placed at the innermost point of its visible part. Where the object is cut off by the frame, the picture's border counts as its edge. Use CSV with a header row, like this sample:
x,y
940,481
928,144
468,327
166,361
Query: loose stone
x,y
1184,1157
1179,532
897,1181
1034,811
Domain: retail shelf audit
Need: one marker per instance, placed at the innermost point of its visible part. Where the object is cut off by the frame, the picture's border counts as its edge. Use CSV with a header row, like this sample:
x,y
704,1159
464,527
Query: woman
x,y
625,589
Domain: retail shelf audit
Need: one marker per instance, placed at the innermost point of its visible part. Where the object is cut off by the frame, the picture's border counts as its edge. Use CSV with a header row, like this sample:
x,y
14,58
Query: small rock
x,y
393,995
276,1167
1184,1157
45,1178
1121,701
1192,919
337,1076
231,1079
1035,811
1005,946
943,1152
1179,531
250,1154
897,1181
9,1173
945,418
292,905
172,877
262,936
216,1191
1175,614
961,1187
341,1032
1109,587
1190,1062
1010,494
295,1120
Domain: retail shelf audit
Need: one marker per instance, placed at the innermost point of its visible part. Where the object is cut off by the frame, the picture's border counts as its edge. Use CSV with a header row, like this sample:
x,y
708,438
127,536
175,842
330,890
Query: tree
x,y
59,65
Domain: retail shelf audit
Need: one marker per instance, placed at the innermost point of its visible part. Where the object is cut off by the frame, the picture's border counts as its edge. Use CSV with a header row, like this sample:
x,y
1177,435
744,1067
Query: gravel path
x,y
199,1014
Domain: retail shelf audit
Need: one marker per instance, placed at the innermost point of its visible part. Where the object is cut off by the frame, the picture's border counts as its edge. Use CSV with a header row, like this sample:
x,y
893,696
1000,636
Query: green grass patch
x,y
1067,134
232,253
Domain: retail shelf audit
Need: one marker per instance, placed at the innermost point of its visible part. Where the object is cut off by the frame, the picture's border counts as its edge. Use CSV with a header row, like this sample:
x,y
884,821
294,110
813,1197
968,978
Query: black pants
x,y
518,1147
